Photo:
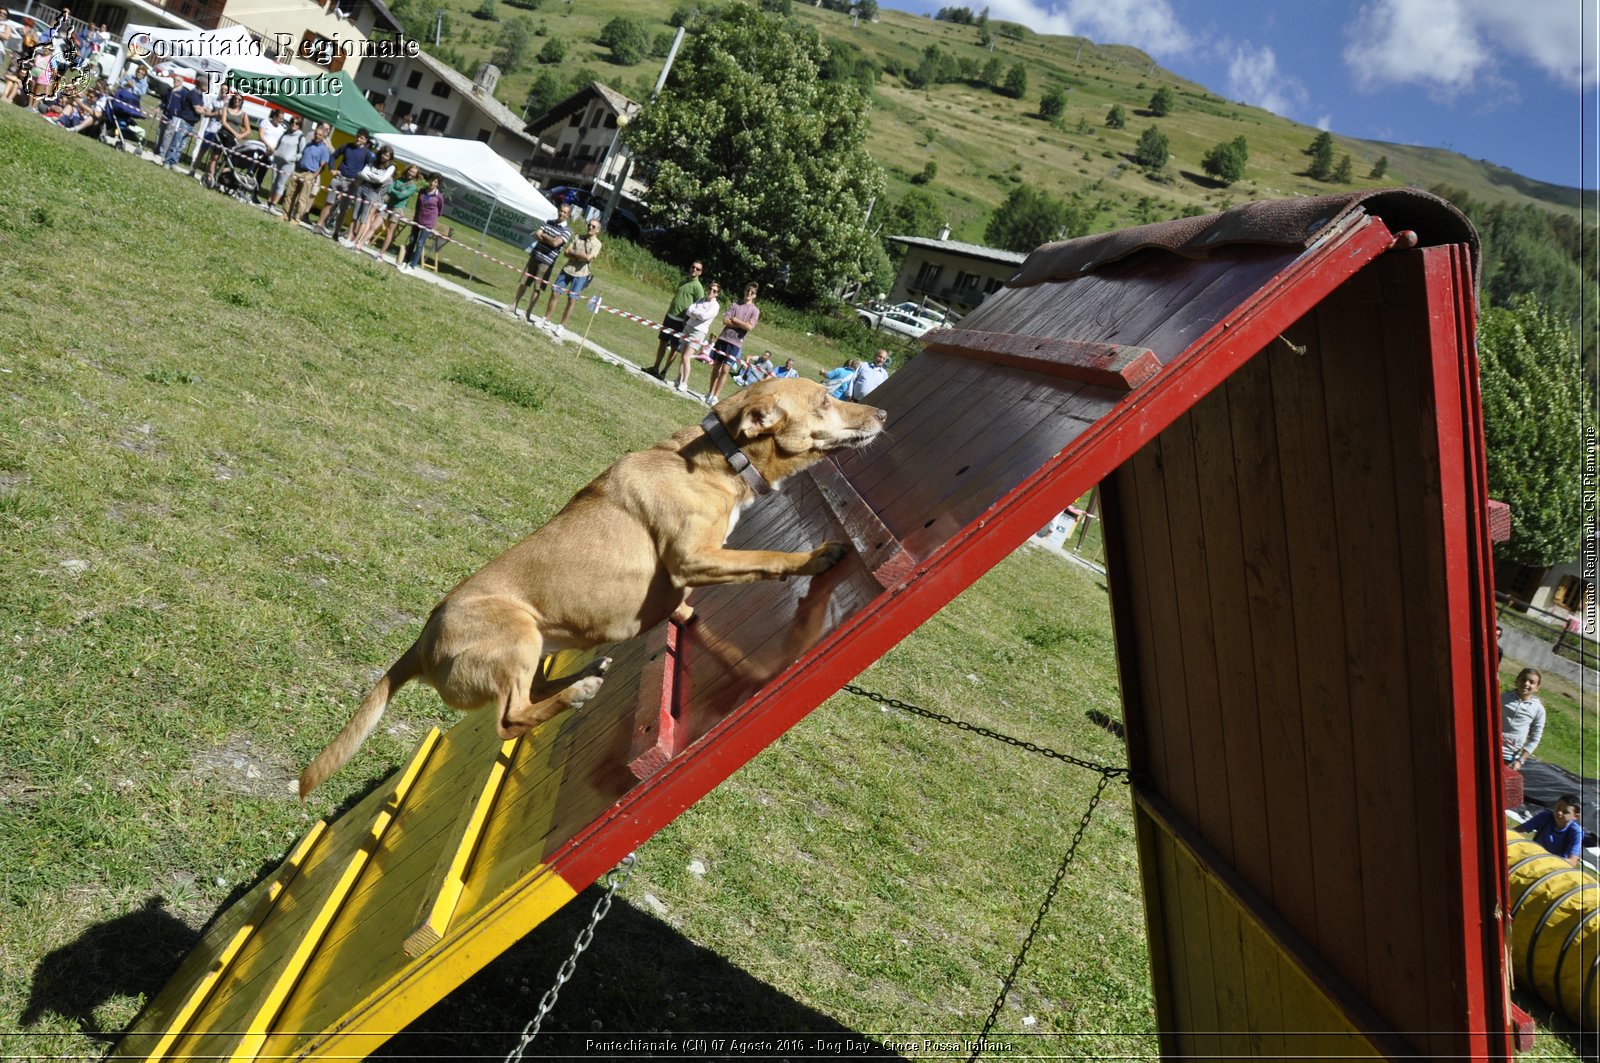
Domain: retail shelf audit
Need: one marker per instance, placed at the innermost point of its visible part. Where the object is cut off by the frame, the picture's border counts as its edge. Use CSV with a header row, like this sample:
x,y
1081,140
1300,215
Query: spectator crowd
x,y
279,164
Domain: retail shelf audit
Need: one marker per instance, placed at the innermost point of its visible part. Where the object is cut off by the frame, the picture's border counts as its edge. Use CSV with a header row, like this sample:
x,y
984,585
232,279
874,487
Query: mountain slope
x,y
984,144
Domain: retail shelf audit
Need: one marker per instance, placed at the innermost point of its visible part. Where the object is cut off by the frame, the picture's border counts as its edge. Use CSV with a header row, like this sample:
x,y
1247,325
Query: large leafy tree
x,y
761,161
1533,415
916,214
1030,217
1226,161
1152,150
1321,152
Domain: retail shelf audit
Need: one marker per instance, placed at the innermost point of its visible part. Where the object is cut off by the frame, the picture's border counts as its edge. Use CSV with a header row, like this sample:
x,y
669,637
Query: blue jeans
x,y
174,140
419,240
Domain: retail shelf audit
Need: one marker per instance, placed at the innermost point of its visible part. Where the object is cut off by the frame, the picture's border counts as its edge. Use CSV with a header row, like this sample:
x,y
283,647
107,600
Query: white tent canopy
x,y
471,164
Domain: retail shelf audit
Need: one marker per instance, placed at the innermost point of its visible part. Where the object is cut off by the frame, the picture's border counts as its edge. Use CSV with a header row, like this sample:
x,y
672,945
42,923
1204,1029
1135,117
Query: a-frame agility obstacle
x,y
1281,403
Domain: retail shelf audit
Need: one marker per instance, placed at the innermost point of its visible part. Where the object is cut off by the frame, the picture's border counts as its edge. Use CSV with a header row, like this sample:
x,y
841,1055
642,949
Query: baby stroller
x,y
242,167
117,128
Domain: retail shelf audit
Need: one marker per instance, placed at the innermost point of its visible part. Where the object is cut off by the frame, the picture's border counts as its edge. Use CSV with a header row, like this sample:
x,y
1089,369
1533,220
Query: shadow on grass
x,y
1554,1024
640,978
130,956
1203,180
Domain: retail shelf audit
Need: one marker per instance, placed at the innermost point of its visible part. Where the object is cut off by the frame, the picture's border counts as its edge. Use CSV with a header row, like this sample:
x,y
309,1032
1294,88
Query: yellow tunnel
x,y
1555,929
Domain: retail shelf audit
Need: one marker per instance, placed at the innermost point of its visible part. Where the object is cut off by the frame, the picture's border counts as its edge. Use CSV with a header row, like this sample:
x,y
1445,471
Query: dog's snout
x,y
881,415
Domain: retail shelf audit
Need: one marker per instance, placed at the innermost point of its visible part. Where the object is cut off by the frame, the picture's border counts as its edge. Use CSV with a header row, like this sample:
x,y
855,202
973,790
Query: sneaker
x,y
403,268
681,386
345,241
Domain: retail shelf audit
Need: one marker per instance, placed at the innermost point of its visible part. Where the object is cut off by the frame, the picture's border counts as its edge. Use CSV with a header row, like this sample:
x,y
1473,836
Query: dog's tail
x,y
349,739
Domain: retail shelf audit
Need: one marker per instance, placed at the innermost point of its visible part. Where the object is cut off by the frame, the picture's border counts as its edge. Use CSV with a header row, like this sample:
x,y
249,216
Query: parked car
x,y
894,319
928,312
624,222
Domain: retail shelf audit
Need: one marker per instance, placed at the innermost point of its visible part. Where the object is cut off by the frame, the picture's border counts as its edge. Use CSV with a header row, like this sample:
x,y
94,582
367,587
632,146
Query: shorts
x,y
726,352
672,329
368,196
567,282
539,269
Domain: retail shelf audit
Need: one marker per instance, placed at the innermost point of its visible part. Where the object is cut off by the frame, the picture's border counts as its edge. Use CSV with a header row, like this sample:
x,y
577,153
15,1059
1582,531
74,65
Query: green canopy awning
x,y
320,97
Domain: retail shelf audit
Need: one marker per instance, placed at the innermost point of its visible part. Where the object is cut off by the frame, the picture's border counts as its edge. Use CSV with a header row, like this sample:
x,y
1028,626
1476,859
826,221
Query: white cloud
x,y
1324,122
1254,77
1452,46
1148,24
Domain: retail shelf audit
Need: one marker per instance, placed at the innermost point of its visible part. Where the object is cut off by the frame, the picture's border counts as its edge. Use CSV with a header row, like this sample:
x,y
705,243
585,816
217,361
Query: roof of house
x,y
959,247
386,19
503,116
564,109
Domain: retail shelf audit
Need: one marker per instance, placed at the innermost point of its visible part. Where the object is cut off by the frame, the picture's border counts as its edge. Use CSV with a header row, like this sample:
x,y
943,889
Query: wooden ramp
x,y
1048,389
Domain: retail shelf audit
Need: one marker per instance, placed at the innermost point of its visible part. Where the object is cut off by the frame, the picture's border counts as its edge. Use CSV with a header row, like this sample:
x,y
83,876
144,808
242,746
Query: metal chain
x,y
1106,774
1044,908
614,880
917,710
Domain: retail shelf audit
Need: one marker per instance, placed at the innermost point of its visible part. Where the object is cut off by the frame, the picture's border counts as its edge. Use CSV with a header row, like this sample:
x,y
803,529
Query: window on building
x,y
928,276
321,50
441,90
383,70
576,119
414,80
430,120
402,108
1572,592
483,135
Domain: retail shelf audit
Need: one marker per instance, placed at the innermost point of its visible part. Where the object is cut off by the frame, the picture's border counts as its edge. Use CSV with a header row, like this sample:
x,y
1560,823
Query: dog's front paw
x,y
825,557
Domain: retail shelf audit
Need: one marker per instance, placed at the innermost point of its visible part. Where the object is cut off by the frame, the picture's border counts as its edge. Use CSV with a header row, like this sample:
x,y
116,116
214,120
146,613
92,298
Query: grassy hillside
x,y
985,143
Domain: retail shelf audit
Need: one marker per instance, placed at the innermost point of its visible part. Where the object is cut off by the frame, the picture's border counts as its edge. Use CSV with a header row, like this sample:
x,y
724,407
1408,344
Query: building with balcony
x,y
580,142
446,102
321,33
950,272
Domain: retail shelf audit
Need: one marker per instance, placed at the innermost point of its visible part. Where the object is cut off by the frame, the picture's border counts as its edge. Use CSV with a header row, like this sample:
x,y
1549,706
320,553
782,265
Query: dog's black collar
x,y
737,458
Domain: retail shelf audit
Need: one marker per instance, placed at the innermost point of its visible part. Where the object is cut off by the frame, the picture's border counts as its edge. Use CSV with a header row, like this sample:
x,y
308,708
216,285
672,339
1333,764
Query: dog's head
x,y
788,423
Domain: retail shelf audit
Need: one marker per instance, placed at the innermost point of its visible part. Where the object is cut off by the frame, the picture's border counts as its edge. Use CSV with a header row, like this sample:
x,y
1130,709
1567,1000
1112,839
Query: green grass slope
x,y
985,143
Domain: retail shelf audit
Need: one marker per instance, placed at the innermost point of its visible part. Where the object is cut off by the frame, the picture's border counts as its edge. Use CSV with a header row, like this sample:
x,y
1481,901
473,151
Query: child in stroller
x,y
241,169
118,113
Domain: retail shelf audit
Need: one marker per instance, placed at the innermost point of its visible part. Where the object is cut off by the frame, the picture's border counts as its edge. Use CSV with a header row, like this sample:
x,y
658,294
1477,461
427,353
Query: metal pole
x,y
473,272
627,166
672,53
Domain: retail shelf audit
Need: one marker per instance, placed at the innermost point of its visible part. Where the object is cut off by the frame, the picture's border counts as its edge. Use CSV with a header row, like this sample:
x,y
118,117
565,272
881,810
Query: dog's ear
x,y
759,416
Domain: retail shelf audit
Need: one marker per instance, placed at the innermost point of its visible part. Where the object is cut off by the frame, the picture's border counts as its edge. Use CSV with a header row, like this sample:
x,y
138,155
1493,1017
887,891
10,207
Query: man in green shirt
x,y
675,324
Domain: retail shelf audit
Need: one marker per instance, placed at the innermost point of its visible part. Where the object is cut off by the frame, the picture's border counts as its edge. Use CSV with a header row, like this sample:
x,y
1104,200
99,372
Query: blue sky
x,y
1510,81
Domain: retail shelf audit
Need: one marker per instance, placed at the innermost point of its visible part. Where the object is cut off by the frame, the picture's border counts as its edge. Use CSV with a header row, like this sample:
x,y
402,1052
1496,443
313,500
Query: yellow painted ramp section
x,y
374,917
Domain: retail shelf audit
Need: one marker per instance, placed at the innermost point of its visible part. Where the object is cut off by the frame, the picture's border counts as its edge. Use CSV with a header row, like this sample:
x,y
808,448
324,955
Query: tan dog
x,y
617,560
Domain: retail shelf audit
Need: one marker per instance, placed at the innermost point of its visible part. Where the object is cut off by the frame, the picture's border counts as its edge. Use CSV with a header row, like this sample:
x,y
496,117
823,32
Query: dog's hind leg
x,y
548,698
